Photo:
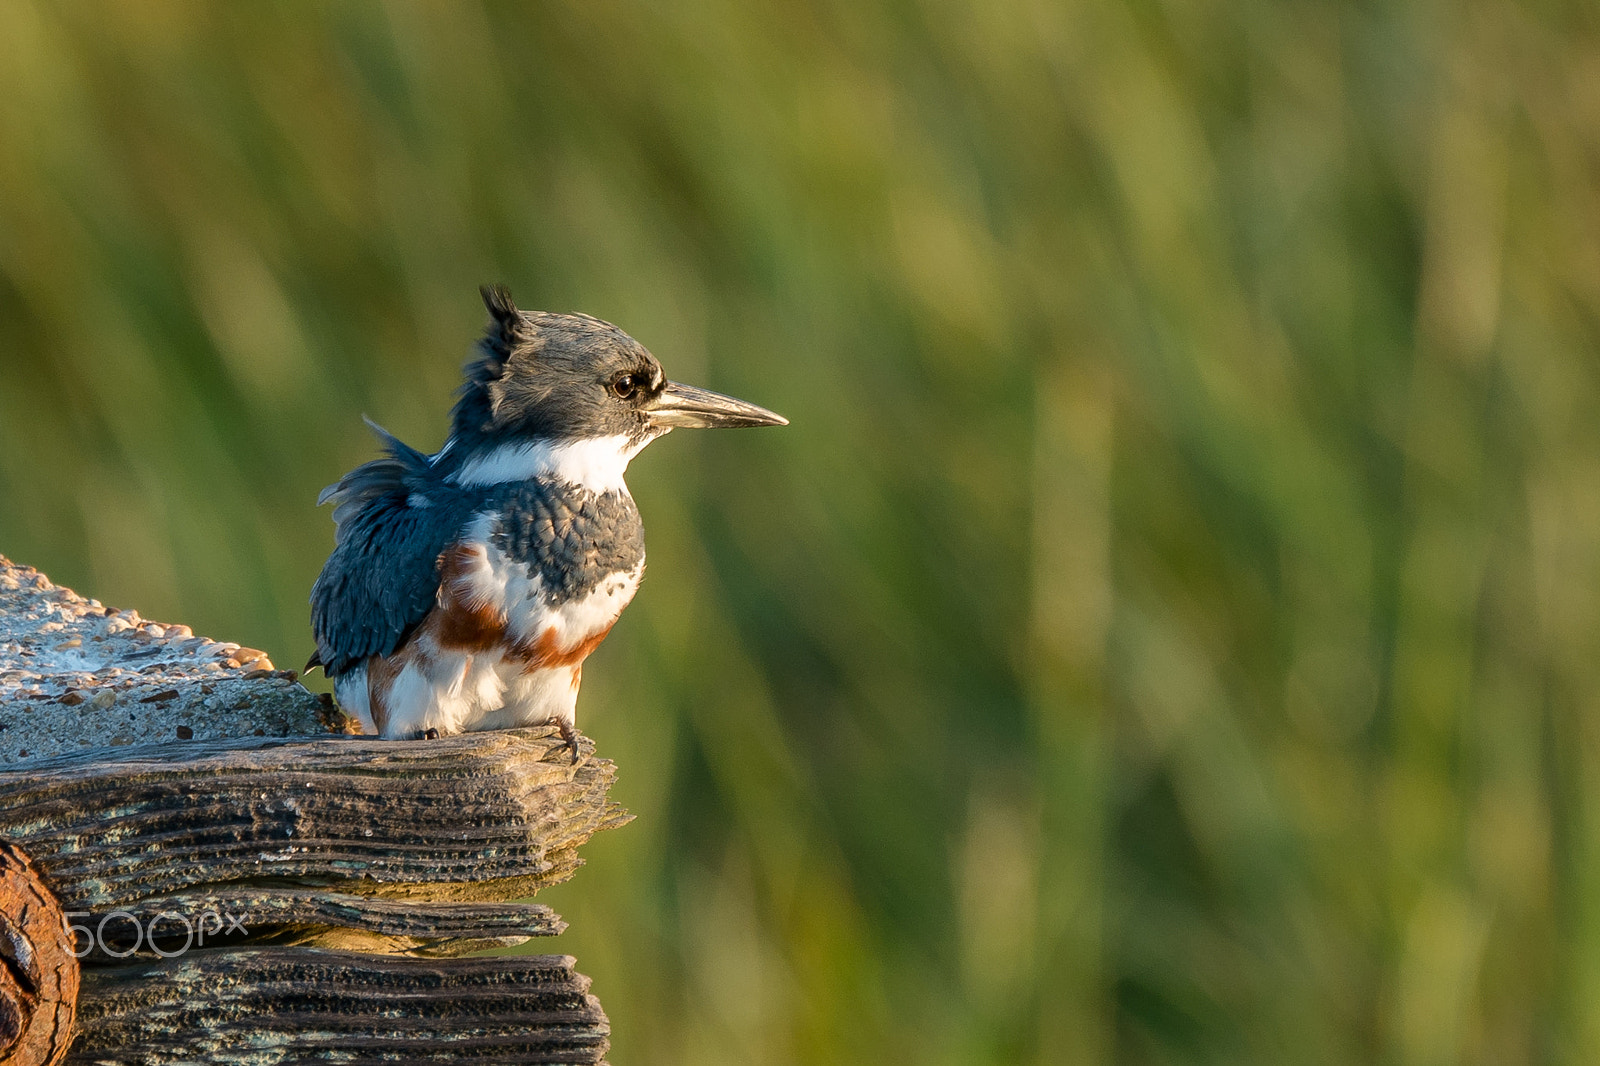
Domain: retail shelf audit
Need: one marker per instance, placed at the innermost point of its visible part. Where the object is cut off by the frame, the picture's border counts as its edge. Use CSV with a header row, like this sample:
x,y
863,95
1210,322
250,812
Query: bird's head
x,y
546,385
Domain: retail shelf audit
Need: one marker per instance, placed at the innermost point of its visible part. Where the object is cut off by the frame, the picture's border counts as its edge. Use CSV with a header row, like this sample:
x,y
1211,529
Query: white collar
x,y
594,463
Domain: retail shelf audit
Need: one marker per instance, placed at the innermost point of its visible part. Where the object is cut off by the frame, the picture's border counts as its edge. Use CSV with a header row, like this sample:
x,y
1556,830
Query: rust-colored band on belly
x,y
457,623
545,653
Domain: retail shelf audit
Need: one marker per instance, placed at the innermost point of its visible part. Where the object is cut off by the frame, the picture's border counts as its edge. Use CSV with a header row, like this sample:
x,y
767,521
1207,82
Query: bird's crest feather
x,y
507,333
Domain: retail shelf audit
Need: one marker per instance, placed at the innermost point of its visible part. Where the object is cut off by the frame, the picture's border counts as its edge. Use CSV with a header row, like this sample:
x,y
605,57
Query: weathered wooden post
x,y
246,882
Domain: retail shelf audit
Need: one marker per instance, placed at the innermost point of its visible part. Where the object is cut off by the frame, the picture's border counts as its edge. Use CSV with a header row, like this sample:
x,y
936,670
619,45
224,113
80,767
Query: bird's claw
x,y
569,733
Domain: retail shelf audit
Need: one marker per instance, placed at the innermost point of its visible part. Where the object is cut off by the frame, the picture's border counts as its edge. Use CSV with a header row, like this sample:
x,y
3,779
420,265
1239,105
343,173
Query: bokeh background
x,y
1167,633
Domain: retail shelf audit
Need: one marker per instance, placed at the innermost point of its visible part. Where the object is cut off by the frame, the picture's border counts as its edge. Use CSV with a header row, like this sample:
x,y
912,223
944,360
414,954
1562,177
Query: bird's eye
x,y
625,386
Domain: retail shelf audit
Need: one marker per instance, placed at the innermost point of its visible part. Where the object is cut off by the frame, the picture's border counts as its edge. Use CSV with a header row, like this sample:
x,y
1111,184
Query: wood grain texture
x,y
331,833
38,973
283,1005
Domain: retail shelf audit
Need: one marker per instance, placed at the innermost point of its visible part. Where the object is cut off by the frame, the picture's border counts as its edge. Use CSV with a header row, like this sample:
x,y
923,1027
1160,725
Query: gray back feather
x,y
403,470
382,577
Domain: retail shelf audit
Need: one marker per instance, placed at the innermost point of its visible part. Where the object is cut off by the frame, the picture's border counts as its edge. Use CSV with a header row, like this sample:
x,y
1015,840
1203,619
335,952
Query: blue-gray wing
x,y
382,578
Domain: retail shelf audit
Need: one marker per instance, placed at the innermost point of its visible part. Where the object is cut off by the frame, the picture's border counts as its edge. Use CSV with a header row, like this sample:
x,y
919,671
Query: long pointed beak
x,y
692,408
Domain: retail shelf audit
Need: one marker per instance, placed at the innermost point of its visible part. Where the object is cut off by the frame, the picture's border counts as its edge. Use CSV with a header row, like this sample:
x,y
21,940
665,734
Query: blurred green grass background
x,y
1167,632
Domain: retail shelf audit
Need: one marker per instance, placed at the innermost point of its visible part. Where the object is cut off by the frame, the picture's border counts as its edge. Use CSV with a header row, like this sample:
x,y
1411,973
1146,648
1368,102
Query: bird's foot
x,y
569,733
427,734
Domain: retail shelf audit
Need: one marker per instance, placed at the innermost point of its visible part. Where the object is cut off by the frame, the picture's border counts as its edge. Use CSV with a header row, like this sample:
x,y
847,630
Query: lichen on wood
x,y
75,675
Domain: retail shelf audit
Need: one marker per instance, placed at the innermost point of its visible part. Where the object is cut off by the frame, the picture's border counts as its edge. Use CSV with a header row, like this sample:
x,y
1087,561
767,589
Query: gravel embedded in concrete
x,y
75,674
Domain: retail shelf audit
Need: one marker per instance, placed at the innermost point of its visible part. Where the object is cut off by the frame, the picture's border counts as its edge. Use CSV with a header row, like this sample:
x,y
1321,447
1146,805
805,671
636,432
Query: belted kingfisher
x,y
466,587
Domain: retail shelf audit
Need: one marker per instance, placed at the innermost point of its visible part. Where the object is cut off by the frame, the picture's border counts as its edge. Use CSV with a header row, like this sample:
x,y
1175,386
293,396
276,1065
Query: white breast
x,y
516,590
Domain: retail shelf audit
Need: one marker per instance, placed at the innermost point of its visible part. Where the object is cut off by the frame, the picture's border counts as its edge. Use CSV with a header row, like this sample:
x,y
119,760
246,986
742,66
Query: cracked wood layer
x,y
261,1008
329,919
394,846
